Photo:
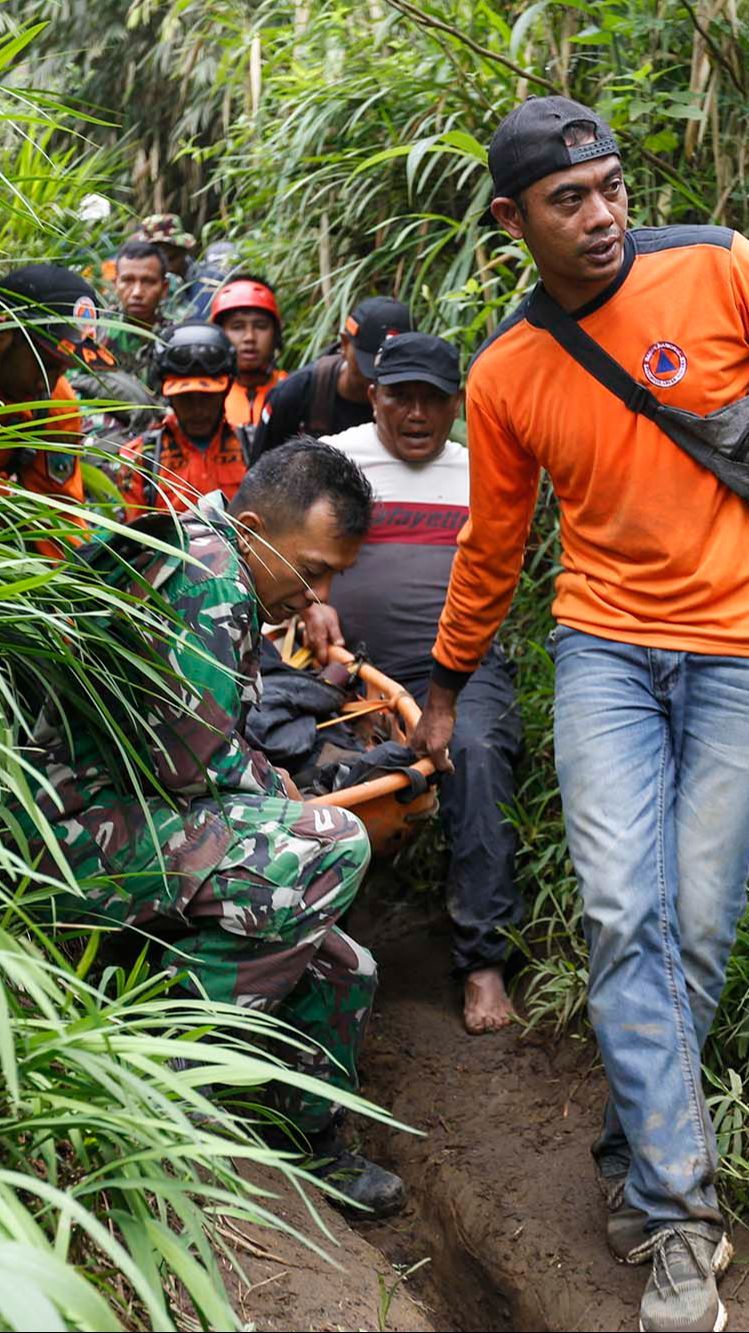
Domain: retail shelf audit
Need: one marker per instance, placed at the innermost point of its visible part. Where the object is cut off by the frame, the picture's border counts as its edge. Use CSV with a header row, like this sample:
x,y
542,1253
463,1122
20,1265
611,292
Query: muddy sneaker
x,y
625,1226
361,1182
681,1295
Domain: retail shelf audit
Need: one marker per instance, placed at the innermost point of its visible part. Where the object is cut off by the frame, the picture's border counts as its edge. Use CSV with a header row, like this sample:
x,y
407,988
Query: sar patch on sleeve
x,y
60,467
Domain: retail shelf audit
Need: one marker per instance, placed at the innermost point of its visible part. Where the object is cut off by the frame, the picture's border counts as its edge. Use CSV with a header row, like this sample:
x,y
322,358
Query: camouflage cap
x,y
165,228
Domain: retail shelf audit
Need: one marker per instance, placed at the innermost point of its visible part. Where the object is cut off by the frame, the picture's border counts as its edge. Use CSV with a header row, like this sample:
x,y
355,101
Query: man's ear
x,y
508,216
372,393
252,538
249,521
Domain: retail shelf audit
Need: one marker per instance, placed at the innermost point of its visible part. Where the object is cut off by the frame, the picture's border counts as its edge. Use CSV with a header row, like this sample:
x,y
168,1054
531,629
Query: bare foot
x,y
486,1005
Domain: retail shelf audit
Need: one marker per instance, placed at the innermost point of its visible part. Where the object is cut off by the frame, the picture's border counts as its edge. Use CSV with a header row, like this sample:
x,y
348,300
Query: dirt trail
x,y
503,1196
292,1287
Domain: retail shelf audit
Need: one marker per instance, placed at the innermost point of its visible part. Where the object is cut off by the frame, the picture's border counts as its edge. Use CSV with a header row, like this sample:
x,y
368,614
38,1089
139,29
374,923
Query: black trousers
x,y
485,748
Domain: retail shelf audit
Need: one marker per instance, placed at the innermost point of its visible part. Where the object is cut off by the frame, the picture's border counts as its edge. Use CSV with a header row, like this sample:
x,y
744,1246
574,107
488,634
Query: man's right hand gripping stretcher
x,y
432,734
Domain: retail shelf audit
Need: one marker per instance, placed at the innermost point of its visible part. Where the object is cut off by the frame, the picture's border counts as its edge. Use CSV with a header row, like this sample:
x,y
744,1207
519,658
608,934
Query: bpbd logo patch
x,y
664,364
84,313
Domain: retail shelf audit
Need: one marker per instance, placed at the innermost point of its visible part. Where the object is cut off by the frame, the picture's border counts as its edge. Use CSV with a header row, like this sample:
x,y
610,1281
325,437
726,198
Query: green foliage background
x,y
341,144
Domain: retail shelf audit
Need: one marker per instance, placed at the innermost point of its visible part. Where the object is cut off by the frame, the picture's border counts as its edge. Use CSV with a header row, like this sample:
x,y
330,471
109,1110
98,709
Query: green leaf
x,y
415,158
35,1286
215,1309
466,143
683,112
14,589
664,141
385,155
15,45
592,36
522,25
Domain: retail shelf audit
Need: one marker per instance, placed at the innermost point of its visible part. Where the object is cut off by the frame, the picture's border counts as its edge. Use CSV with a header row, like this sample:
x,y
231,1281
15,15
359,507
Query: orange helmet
x,y
245,294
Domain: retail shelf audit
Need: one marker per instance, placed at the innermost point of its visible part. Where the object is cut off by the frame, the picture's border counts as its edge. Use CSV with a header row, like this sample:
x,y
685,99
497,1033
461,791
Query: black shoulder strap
x,y
324,381
151,458
247,436
545,313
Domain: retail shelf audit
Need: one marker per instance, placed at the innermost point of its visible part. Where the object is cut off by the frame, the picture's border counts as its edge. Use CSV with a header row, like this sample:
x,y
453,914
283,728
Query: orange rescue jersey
x,y
170,469
44,471
40,470
655,548
244,405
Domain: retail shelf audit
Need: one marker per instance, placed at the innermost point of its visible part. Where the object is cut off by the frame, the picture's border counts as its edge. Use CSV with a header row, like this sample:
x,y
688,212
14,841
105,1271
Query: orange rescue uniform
x,y
177,471
244,405
44,471
655,548
39,470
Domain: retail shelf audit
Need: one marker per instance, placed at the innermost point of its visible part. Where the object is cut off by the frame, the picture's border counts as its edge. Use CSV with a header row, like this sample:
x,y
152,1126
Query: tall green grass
x,y
119,1157
129,1116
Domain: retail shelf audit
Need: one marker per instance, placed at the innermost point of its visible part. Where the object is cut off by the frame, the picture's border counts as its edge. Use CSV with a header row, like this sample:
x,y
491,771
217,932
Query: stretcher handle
x,y
390,783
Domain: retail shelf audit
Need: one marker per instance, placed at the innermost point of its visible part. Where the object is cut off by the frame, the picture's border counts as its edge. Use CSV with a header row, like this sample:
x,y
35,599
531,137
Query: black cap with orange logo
x,y
56,308
370,323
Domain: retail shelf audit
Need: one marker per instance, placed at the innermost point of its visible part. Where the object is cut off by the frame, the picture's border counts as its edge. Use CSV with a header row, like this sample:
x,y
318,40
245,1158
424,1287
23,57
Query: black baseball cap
x,y
58,309
529,143
370,323
418,356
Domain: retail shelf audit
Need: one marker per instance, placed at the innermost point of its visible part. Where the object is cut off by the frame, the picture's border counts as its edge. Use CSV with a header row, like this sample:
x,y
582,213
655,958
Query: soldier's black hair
x,y
285,483
142,250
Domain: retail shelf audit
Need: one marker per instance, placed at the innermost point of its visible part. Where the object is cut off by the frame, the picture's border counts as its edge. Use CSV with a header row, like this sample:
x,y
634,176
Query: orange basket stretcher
x,y
391,807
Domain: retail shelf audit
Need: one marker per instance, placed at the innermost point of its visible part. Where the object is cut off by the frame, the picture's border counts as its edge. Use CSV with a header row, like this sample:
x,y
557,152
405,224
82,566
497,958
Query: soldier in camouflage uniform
x,y
241,881
192,285
141,289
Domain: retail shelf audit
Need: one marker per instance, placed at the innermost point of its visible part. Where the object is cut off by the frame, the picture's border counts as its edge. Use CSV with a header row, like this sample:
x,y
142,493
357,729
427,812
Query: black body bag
x,y
719,441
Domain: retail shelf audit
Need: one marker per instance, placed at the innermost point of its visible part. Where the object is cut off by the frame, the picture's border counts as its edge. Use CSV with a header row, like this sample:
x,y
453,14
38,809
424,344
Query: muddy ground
x,y
502,1196
291,1287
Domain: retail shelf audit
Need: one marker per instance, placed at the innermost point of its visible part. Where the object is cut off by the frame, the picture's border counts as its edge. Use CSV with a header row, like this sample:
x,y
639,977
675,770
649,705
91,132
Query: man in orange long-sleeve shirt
x,y
651,650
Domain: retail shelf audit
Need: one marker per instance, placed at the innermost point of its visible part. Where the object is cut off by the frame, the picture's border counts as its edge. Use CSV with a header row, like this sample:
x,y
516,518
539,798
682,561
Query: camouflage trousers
x,y
245,896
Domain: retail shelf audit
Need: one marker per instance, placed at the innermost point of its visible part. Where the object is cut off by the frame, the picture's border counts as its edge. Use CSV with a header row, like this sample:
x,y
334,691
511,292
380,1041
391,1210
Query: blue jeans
x,y
652,751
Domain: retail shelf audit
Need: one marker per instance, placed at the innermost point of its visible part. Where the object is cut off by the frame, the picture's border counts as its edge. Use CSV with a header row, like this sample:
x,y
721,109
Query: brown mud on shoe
x,y
681,1294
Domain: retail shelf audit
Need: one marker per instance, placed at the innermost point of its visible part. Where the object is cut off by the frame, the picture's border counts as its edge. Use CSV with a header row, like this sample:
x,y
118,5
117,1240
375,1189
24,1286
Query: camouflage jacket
x,y
193,739
134,349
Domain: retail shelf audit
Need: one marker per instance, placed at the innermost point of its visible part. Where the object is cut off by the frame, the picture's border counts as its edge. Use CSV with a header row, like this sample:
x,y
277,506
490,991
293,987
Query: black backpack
x,y
322,398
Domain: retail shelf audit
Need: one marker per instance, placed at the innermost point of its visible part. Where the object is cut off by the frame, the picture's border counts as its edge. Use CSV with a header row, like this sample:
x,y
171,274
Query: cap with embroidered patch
x,y
57,308
370,323
530,142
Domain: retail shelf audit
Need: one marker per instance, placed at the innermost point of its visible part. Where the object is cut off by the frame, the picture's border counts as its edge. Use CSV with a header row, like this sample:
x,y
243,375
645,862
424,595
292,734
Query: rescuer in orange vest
x,y
192,450
247,310
47,324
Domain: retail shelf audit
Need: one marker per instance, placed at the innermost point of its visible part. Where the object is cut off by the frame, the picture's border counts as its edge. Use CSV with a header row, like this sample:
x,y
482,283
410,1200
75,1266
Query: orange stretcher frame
x,y
390,807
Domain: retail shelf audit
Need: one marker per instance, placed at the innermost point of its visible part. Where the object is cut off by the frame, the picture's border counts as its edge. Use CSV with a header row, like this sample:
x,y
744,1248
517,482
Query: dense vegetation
x,y
341,145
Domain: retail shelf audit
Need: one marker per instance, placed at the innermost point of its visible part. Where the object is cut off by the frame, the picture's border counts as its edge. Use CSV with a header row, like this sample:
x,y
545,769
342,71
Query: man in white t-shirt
x,y
391,600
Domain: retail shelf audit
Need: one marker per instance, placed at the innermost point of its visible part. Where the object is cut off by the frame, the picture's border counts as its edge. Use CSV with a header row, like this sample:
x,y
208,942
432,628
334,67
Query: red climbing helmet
x,y
245,294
